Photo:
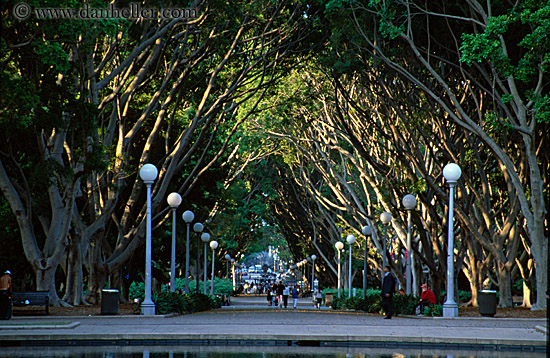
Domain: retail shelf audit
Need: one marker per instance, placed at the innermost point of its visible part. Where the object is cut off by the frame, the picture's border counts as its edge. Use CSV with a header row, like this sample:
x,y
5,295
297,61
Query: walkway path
x,y
250,322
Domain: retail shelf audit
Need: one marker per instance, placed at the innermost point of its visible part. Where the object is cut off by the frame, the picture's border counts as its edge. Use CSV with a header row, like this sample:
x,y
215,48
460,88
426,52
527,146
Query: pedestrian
x,y
280,288
388,289
269,298
5,295
295,294
286,293
427,297
318,298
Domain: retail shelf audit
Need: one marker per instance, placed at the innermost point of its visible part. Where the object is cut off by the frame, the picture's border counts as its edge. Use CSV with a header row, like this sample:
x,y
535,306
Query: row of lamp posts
x,y
452,173
304,262
174,199
148,174
350,239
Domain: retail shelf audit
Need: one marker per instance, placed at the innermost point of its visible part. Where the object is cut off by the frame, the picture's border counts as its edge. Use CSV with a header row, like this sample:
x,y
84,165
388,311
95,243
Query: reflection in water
x,y
248,352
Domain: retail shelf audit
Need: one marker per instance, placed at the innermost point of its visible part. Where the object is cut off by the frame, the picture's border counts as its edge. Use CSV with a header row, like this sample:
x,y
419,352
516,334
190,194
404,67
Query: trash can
x,y
329,296
487,302
109,301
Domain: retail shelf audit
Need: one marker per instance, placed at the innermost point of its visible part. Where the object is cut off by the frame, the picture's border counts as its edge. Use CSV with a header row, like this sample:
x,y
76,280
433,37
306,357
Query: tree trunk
x,y
45,281
504,285
74,293
539,250
526,274
98,273
527,285
116,283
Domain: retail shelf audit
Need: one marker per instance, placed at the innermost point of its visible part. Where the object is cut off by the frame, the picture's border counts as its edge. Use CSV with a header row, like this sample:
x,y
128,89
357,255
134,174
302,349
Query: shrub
x,y
221,286
433,310
405,304
336,303
175,302
371,304
374,302
137,290
169,302
200,302
464,296
344,292
356,303
402,304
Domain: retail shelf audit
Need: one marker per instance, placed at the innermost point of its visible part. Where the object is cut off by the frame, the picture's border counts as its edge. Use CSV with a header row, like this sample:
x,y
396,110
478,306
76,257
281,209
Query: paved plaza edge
x,y
242,324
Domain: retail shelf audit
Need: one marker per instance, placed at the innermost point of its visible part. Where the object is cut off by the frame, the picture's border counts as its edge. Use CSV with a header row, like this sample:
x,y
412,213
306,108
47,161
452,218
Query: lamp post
x,y
350,239
296,274
174,200
367,231
198,227
409,202
301,265
188,217
233,272
386,219
213,246
308,259
148,174
227,259
313,258
205,237
452,173
339,246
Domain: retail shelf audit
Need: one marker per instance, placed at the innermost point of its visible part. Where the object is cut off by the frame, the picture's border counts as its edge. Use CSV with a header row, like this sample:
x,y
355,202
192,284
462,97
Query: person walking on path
x,y
269,298
5,295
280,288
295,295
427,297
388,289
318,298
286,293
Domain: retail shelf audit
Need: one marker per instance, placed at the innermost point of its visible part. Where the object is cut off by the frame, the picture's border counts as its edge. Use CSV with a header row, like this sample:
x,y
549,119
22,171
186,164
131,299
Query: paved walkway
x,y
251,322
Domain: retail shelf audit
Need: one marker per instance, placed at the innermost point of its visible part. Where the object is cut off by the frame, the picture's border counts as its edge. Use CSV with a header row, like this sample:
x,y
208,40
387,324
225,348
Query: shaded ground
x,y
123,309
516,312
131,309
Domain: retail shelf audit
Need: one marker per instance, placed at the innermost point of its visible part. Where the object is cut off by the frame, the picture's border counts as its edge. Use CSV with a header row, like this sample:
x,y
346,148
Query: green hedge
x,y
433,310
221,287
402,304
174,302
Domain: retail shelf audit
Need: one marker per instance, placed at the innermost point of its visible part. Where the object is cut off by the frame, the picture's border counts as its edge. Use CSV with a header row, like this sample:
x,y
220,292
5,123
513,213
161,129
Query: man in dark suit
x,y
388,289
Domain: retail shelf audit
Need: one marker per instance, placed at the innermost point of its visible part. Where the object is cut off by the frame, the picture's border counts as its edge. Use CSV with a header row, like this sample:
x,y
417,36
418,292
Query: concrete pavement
x,y
249,321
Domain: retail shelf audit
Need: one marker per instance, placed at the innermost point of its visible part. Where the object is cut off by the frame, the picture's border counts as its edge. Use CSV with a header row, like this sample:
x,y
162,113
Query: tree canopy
x,y
290,123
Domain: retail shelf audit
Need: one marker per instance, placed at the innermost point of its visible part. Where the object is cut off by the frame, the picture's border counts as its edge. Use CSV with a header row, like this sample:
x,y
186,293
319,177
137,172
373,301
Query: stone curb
x,y
40,326
93,316
284,339
542,329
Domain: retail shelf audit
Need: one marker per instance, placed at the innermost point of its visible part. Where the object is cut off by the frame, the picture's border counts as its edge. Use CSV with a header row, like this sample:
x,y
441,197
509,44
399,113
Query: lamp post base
x,y
450,310
148,309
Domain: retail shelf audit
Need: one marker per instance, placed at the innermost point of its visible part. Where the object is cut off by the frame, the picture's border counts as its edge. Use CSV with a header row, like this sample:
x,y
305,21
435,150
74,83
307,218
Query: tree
x,y
107,96
491,80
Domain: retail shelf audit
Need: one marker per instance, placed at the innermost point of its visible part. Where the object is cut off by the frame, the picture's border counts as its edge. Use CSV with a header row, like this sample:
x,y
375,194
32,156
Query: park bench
x,y
32,298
